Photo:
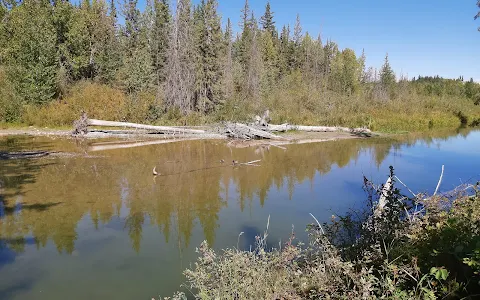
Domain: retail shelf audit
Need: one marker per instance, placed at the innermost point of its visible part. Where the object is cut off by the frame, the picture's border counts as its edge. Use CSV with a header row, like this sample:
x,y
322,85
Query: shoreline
x,y
122,136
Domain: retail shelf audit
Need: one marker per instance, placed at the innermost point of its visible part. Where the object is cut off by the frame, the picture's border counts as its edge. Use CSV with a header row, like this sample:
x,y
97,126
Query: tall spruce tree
x,y
362,67
246,36
208,44
255,63
285,50
228,80
267,22
387,76
160,37
478,14
138,72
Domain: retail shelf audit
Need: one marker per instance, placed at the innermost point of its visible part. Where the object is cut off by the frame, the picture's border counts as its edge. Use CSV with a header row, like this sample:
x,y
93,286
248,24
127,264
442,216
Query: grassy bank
x,y
416,248
292,101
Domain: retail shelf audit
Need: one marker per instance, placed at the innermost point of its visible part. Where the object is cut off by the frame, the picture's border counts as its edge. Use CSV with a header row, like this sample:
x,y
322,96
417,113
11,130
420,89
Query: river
x,y
99,225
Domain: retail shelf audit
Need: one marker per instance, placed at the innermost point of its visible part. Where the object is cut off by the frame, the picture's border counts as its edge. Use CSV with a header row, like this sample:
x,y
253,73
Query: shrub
x,y
97,100
411,248
10,103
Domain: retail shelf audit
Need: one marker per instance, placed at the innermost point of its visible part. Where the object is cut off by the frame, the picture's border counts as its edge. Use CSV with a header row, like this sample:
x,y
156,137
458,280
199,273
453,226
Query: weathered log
x,y
122,145
162,129
288,127
242,131
384,197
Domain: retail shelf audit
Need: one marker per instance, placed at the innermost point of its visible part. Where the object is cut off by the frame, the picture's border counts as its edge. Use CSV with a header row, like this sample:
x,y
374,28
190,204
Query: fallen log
x,y
120,145
161,129
288,127
242,131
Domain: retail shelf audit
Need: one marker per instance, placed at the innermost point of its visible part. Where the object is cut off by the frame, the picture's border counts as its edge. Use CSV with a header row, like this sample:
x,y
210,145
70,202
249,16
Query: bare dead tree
x,y
254,70
180,61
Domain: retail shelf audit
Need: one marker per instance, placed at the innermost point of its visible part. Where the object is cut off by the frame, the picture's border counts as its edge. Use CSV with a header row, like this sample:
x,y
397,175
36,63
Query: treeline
x,y
170,65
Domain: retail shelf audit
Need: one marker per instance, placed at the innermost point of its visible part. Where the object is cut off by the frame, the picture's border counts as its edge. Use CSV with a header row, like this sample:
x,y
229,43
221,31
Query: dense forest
x,y
178,64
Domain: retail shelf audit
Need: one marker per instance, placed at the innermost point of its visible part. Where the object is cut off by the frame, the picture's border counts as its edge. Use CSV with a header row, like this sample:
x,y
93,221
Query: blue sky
x,y
426,37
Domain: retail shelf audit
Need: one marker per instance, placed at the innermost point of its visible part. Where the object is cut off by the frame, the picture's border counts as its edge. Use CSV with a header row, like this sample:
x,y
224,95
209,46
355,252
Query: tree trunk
x,y
162,129
287,127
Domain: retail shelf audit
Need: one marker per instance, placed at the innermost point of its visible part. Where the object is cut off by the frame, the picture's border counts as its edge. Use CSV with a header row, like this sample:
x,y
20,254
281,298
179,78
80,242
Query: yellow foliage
x,y
97,100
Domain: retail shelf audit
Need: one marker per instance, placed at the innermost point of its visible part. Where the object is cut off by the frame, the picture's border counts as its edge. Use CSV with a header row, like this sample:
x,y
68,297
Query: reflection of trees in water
x,y
193,186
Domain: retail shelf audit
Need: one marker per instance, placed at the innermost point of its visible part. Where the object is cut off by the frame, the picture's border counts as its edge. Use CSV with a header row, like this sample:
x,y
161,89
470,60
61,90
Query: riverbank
x,y
415,247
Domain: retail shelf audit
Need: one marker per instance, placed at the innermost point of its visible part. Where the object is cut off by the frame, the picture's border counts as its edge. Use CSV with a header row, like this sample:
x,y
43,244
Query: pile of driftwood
x,y
260,129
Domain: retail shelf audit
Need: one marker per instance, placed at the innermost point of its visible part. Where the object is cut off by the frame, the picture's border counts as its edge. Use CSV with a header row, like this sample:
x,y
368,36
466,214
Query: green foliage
x,y
478,14
267,22
209,48
387,76
98,101
10,103
411,248
194,67
159,39
30,53
346,72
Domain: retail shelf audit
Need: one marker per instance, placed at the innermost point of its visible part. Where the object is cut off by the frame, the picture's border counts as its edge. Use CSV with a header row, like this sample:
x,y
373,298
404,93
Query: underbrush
x,y
415,247
293,101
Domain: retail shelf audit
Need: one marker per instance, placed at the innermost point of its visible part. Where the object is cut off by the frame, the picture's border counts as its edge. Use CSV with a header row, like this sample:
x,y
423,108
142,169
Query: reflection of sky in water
x,y
102,228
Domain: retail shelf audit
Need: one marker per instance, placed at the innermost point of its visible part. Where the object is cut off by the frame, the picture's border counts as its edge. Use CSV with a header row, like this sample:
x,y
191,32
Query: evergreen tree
x,y
478,14
387,76
267,22
113,12
132,24
362,67
286,54
208,44
254,67
330,51
297,32
160,38
246,36
270,61
228,65
297,43
90,41
30,52
138,71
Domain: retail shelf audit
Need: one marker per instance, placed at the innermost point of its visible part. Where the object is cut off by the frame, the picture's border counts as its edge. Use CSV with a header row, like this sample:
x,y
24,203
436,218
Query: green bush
x,y
411,248
10,103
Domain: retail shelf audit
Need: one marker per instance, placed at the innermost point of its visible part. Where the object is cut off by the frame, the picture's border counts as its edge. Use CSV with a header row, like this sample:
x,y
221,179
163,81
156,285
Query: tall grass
x,y
294,100
416,248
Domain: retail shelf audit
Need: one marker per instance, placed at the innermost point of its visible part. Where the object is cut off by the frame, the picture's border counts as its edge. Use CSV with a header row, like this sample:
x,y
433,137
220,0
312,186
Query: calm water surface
x,y
99,226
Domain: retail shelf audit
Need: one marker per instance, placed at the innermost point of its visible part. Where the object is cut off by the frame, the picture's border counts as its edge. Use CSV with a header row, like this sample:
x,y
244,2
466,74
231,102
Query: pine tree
x,y
246,36
113,11
478,14
270,61
362,67
297,43
30,52
297,32
254,67
228,65
160,38
138,72
132,24
330,51
285,53
208,44
387,76
267,22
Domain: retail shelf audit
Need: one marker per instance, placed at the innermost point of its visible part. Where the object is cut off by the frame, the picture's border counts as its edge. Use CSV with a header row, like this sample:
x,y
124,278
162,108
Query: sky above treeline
x,y
427,37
